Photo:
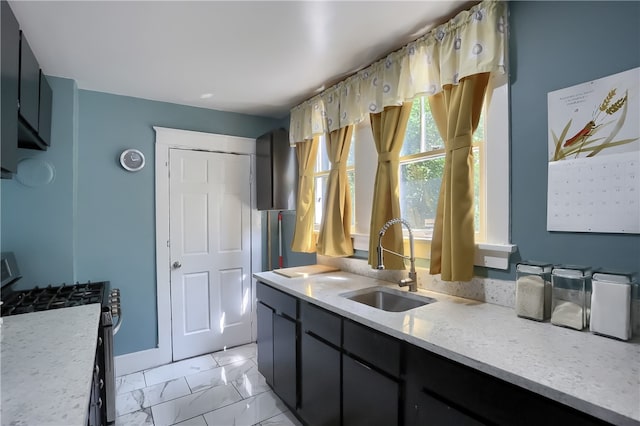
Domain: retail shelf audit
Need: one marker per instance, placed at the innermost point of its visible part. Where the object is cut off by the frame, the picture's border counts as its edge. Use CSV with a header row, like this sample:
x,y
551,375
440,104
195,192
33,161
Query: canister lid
x,y
572,271
534,267
614,276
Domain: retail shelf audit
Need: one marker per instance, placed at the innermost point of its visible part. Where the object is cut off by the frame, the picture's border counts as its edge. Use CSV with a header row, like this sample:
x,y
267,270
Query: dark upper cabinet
x,y
29,95
45,110
9,70
35,102
276,171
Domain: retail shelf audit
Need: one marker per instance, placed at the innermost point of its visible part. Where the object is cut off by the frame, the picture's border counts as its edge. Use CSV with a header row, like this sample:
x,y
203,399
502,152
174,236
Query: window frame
x,y
493,246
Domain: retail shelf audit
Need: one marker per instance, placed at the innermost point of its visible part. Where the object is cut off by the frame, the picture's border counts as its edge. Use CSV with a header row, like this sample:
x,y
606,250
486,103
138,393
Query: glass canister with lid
x,y
533,290
571,296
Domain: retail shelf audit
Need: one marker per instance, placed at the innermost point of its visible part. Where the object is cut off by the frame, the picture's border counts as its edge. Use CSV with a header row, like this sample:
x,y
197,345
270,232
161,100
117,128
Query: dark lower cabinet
x,y
277,342
285,359
369,398
424,408
265,342
444,392
331,370
319,382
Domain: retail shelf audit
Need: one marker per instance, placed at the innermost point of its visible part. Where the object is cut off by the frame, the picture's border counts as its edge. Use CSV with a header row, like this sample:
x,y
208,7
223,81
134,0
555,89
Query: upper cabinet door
x,y
10,68
44,114
29,84
276,171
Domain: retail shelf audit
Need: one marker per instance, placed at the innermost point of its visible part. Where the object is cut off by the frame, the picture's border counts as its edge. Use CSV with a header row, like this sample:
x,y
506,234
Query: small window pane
x,y
351,157
419,191
351,177
476,189
422,133
322,160
420,188
321,182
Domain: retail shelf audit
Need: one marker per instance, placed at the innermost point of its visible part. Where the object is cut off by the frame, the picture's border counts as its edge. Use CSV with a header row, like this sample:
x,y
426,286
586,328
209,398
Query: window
x,y
422,161
321,174
422,167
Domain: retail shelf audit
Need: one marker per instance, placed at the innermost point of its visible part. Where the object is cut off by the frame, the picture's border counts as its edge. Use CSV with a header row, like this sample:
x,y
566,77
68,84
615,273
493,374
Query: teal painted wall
x,y
96,221
116,209
37,223
555,45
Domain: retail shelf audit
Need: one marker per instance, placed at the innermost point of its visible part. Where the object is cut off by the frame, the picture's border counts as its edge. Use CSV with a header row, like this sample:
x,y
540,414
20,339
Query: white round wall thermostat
x,y
132,160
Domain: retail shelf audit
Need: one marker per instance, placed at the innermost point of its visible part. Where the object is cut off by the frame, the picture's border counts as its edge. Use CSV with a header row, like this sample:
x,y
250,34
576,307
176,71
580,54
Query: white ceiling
x,y
253,57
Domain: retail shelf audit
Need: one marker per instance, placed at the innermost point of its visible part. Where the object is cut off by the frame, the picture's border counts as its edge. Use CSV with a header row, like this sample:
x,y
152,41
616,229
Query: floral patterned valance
x,y
473,42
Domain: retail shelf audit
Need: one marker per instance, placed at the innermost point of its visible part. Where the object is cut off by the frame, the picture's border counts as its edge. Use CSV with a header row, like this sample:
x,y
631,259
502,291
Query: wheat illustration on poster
x,y
594,156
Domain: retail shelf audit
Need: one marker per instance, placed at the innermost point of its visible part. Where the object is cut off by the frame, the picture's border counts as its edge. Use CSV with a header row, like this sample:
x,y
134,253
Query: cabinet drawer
x,y
367,344
321,323
277,300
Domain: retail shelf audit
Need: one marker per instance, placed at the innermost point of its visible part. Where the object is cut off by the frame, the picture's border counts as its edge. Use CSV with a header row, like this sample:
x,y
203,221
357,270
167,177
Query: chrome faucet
x,y
412,281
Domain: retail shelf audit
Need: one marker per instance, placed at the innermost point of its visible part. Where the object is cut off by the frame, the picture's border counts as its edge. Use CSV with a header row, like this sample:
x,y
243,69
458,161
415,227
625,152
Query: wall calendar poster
x,y
594,156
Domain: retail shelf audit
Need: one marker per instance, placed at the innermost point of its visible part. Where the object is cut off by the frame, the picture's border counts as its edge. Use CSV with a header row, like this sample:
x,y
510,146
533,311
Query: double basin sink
x,y
388,299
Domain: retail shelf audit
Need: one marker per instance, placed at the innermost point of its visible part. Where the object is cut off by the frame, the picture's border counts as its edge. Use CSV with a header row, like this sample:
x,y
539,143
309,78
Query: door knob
x,y
177,265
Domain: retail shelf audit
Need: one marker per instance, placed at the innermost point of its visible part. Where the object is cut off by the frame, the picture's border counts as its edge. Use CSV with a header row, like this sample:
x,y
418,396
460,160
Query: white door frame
x,y
166,139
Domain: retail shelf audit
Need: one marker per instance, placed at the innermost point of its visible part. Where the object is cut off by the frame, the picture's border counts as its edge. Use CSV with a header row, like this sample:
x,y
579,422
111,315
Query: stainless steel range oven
x,y
39,299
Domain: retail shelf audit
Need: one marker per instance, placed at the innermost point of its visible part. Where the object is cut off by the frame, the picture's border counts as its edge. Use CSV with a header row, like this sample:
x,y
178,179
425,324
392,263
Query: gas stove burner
x,y
50,297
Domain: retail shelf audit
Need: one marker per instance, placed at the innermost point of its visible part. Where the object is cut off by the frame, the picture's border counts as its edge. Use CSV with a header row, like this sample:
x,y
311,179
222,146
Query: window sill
x,y
488,255
494,256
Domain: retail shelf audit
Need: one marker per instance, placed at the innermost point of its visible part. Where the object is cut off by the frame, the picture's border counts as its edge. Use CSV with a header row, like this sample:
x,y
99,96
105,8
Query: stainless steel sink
x,y
388,299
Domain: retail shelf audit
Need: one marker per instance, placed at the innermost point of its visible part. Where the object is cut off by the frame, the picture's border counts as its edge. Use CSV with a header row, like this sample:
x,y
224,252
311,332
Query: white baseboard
x,y
142,360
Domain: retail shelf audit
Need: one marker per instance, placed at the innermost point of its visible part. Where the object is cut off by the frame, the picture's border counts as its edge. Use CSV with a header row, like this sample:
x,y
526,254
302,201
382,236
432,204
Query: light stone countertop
x,y
47,366
594,374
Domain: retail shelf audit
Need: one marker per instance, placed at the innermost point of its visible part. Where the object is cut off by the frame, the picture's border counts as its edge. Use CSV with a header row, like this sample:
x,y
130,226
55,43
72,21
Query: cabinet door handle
x,y
97,369
99,402
101,383
99,341
364,365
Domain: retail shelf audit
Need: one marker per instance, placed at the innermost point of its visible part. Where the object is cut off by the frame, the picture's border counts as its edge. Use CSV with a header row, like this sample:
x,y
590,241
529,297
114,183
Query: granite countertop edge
x,y
306,288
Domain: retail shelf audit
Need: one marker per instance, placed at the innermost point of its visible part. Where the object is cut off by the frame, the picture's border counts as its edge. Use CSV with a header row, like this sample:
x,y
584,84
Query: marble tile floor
x,y
218,389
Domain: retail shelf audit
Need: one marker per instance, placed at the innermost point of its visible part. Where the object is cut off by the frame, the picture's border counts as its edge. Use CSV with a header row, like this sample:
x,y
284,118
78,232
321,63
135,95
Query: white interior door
x,y
210,251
